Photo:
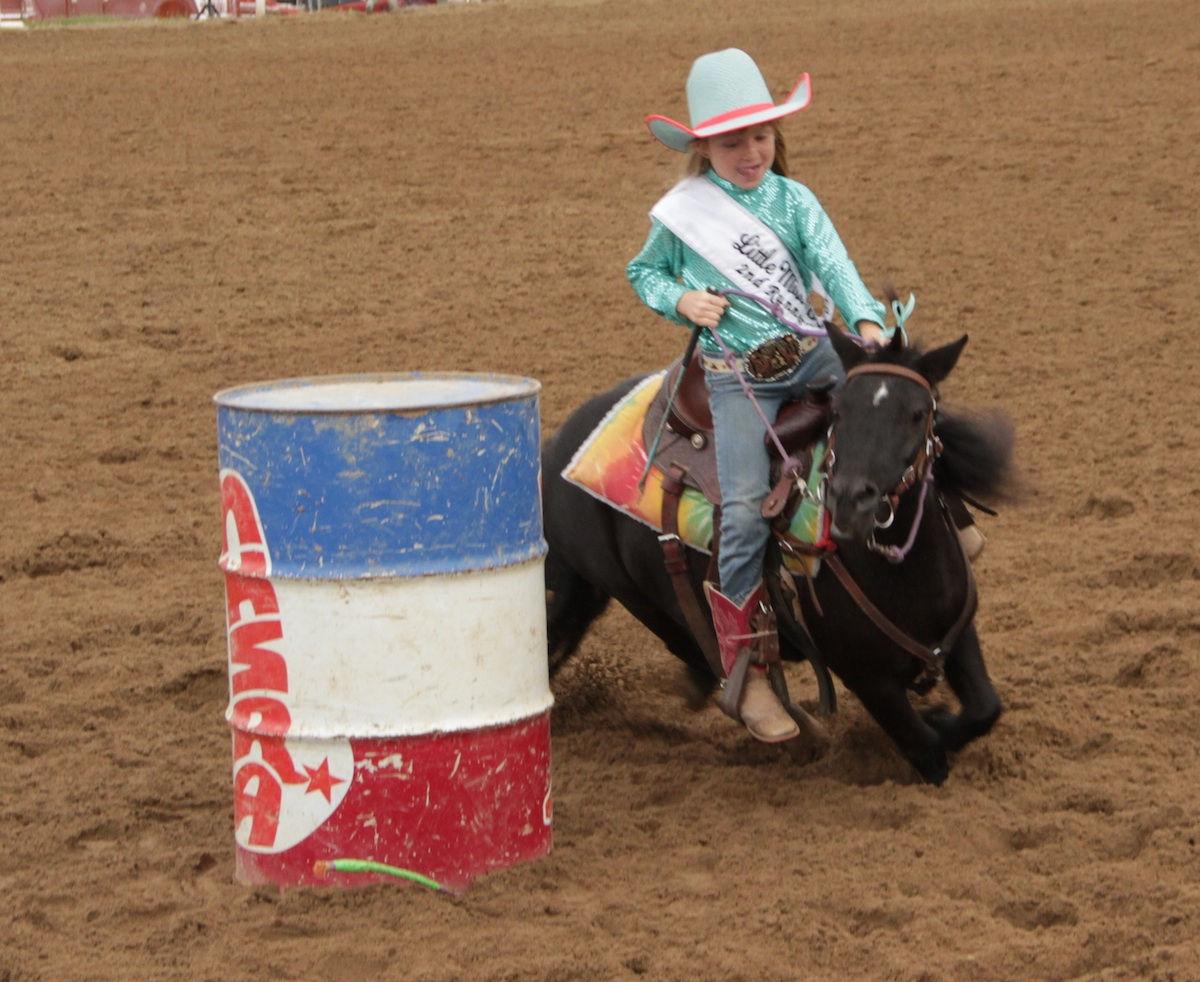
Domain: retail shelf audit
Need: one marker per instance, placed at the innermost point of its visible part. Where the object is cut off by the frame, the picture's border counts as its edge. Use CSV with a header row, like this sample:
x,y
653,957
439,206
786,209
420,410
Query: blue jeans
x,y
743,468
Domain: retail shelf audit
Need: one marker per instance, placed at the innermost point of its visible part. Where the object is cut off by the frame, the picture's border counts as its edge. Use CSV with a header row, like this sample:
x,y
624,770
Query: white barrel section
x,y
385,599
483,666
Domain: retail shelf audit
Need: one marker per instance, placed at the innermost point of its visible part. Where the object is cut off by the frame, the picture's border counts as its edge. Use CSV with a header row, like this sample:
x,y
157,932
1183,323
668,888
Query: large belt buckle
x,y
774,359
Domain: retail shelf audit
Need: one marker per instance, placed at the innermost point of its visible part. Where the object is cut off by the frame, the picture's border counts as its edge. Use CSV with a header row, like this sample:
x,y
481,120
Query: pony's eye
x,y
918,415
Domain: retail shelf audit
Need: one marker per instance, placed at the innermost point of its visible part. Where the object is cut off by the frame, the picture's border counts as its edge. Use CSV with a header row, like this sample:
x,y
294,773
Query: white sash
x,y
739,246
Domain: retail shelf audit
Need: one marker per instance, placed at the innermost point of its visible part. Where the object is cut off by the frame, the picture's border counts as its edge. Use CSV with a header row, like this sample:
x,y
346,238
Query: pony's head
x,y
882,439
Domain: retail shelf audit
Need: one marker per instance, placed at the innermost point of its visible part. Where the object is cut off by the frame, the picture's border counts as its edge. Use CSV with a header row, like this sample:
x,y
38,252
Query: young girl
x,y
739,222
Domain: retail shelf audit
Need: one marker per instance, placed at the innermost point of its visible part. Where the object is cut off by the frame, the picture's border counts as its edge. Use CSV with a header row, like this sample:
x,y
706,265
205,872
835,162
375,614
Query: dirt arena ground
x,y
187,207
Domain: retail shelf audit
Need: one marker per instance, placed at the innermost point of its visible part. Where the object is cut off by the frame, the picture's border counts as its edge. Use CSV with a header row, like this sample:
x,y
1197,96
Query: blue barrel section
x,y
380,475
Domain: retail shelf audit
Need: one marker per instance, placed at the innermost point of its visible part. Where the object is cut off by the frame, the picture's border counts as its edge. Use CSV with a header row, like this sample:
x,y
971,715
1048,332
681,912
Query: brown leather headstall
x,y
931,447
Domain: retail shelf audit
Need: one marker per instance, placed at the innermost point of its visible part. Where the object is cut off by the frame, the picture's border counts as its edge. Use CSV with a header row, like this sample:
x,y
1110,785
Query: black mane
x,y
977,459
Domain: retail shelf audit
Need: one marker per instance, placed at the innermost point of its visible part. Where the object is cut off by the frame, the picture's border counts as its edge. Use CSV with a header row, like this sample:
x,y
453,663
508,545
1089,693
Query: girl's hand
x,y
702,307
871,333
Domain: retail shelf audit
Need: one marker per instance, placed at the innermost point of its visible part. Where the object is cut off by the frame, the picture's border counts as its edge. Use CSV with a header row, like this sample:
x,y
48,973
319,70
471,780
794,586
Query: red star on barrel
x,y
319,779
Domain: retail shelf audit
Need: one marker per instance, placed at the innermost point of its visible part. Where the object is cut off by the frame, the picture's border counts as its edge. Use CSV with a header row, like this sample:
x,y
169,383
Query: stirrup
x,y
747,636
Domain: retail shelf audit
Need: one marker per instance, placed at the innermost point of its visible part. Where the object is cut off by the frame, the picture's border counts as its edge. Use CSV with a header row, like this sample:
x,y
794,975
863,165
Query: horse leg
x,y
699,679
918,742
572,603
968,680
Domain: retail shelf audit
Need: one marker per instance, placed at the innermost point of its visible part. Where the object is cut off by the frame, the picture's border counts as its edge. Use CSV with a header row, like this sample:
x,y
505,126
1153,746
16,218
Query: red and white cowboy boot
x,y
750,627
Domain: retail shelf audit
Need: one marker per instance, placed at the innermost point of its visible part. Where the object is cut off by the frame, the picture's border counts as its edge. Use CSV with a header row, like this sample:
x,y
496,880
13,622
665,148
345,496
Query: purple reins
x,y
777,312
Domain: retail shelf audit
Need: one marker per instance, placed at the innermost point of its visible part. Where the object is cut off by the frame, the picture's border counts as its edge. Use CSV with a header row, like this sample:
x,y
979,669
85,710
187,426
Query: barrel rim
x,y
524,388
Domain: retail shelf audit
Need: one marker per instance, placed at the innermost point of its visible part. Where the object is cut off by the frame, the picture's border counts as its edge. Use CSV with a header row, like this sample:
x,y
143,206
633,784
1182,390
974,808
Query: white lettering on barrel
x,y
257,673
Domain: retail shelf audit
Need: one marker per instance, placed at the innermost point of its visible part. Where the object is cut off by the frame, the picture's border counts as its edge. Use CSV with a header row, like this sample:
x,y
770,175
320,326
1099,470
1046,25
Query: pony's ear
x,y
849,352
935,365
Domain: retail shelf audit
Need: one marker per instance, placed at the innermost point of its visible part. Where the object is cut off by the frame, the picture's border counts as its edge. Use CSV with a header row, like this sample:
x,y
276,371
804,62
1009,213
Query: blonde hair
x,y
698,164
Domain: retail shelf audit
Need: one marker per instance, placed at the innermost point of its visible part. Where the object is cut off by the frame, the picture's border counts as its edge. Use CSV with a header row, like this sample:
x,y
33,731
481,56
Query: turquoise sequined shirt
x,y
665,269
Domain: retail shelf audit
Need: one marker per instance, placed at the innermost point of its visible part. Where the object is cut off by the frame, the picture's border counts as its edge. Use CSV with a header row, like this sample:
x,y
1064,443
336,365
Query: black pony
x,y
885,420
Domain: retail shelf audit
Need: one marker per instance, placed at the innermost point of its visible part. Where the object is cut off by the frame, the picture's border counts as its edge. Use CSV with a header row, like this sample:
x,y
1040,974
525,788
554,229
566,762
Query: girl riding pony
x,y
737,221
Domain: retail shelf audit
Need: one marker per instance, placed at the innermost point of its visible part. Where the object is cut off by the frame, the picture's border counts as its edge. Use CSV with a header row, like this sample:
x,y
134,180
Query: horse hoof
x,y
934,768
941,719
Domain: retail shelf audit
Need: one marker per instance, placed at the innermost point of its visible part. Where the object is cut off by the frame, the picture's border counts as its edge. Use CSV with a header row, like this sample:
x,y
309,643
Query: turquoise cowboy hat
x,y
726,92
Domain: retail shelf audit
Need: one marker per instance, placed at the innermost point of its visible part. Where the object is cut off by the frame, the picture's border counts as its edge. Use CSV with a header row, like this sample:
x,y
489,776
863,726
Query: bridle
x,y
919,470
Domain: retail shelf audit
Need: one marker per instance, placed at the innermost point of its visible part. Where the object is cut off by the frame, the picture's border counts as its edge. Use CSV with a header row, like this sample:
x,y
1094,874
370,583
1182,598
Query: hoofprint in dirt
x,y
459,188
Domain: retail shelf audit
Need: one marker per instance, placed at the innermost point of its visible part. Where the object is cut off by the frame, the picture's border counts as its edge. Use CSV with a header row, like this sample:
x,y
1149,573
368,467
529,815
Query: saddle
x,y
687,441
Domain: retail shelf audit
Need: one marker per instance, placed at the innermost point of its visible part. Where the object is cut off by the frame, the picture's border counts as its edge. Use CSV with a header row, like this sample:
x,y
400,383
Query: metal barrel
x,y
388,693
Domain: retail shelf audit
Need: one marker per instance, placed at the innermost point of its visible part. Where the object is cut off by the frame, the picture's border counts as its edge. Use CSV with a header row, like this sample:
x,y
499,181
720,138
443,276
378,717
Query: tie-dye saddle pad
x,y
610,462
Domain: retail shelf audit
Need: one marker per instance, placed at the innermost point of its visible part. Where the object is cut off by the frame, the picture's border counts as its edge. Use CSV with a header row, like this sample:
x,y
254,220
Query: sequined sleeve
x,y
654,272
826,256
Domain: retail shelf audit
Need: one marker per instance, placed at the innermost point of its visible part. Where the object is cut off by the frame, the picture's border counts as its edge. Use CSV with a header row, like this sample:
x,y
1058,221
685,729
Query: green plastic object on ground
x,y
325,867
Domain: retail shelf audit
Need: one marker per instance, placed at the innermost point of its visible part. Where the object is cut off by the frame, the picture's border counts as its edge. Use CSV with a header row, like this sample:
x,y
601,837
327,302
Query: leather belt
x,y
802,346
